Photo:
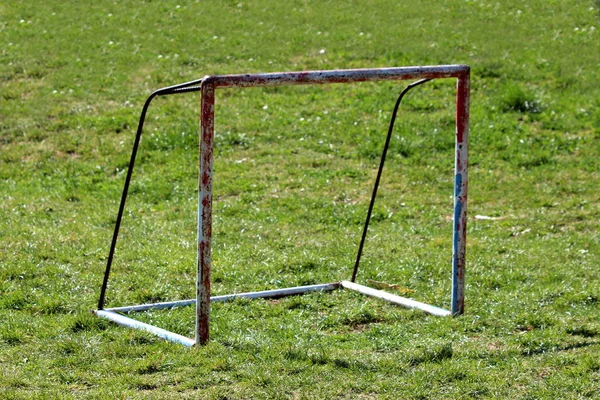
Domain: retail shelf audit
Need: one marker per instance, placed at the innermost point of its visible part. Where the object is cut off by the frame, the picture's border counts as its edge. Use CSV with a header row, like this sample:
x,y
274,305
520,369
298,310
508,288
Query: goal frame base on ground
x,y
207,86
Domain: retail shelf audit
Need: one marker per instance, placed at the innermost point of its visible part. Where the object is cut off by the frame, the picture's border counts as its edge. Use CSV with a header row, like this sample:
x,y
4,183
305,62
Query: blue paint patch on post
x,y
457,213
457,184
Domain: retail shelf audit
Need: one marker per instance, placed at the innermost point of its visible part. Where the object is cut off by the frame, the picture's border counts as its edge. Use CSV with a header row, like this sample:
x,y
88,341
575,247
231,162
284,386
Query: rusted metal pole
x,y
460,193
207,126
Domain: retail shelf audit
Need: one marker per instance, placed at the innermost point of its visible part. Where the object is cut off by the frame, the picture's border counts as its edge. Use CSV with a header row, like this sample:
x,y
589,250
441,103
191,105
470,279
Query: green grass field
x,y
293,173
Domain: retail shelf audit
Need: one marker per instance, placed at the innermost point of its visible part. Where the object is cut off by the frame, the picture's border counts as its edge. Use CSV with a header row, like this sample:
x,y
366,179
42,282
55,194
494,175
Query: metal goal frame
x,y
207,86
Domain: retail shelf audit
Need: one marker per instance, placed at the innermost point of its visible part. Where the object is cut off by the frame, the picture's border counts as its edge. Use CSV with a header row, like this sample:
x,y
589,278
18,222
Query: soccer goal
x,y
208,86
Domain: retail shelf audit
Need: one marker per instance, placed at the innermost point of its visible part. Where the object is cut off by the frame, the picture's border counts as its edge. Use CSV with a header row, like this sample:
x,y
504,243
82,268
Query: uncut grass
x,y
292,183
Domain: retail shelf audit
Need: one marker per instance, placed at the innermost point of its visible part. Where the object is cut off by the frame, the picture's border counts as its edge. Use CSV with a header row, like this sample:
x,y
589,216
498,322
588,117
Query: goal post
x,y
208,88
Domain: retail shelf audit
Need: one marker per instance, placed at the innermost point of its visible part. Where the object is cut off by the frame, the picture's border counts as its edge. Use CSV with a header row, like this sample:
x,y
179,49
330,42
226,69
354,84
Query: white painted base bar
x,y
153,306
132,323
323,287
392,298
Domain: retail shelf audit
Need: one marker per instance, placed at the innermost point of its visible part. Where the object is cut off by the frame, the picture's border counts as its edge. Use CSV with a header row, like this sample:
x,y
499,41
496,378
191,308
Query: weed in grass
x,y
67,347
11,336
584,331
515,98
433,352
53,306
359,318
152,366
86,321
15,301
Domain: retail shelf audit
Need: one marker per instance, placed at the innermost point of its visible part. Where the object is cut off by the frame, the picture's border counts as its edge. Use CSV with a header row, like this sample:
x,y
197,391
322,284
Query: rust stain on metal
x,y
207,107
336,76
460,192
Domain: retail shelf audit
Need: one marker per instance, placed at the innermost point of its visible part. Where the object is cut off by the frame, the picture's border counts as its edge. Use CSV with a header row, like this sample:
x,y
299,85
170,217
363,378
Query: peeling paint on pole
x,y
337,76
207,123
460,194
